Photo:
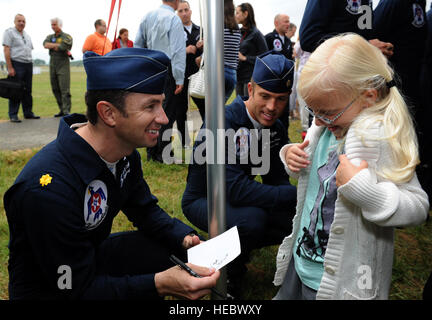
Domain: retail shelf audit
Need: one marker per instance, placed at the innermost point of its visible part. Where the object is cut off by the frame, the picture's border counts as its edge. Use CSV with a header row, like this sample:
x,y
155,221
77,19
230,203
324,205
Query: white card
x,y
216,252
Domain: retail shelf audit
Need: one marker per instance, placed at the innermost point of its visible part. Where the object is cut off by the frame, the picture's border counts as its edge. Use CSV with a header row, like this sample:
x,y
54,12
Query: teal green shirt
x,y
309,254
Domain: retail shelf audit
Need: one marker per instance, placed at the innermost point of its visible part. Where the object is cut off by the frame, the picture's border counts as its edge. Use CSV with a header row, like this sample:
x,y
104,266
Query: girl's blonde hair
x,y
350,65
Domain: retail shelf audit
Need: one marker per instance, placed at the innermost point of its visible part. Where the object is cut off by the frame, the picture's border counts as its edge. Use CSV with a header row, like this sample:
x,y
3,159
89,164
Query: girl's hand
x,y
346,170
296,158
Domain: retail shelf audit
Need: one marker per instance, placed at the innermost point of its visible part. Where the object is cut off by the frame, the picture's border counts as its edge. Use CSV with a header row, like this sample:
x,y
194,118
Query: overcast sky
x,y
79,16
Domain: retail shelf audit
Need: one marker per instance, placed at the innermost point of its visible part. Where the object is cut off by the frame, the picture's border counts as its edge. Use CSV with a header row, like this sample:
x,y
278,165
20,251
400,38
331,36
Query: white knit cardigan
x,y
359,256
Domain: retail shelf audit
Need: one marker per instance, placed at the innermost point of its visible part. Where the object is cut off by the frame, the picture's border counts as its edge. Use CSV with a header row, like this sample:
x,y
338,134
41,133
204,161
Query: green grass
x,y
412,262
44,103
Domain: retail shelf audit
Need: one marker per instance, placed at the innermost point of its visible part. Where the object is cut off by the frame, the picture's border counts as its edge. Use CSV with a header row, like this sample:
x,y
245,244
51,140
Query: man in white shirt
x,y
17,50
162,30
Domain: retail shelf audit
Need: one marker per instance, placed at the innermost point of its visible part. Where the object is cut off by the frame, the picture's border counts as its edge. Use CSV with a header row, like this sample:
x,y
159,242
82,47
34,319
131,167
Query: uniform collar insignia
x,y
45,180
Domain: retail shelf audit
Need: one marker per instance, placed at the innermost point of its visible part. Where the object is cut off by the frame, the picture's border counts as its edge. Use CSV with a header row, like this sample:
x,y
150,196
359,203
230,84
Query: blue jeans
x,y
230,81
23,73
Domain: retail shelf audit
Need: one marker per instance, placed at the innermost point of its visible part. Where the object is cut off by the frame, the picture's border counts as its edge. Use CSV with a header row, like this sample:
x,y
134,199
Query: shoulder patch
x,y
353,6
277,45
95,204
418,13
241,140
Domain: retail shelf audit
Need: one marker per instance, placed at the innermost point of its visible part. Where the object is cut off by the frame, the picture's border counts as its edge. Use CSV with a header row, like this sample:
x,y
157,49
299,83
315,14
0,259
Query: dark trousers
x,y
127,253
242,88
24,73
180,101
200,103
257,227
169,106
133,254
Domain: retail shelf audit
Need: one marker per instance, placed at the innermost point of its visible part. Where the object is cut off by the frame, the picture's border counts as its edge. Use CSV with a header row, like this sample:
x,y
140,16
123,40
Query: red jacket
x,y
117,45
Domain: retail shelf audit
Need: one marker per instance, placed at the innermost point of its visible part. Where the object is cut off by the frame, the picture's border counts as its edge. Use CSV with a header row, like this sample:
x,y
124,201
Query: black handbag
x,y
11,89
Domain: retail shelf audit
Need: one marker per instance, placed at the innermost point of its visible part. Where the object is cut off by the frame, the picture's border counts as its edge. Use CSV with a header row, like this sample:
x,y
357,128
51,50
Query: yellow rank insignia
x,y
45,180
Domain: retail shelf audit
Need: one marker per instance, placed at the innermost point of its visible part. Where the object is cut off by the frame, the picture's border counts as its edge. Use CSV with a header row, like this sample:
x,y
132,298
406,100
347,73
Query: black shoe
x,y
15,119
32,117
60,114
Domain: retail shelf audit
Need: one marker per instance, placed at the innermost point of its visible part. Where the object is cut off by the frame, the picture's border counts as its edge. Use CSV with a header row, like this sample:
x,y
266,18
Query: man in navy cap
x,y
61,208
263,211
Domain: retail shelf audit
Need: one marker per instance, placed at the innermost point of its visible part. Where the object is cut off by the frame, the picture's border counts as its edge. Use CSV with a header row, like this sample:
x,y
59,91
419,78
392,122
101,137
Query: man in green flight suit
x,y
59,45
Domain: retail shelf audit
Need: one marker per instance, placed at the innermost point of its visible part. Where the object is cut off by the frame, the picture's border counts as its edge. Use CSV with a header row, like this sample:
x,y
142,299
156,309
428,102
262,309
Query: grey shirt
x,y
20,45
162,30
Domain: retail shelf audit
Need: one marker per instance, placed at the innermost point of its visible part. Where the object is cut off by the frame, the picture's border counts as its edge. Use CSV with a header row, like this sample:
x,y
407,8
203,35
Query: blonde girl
x,y
356,177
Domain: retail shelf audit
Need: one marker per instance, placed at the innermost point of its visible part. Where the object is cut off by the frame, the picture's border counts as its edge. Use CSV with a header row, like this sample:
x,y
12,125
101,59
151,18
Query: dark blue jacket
x,y
275,43
62,221
241,188
394,21
324,19
192,39
428,53
252,44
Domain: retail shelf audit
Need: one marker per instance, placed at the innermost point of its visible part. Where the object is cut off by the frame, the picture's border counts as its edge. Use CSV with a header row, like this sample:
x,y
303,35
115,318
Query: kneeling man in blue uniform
x,y
61,208
263,211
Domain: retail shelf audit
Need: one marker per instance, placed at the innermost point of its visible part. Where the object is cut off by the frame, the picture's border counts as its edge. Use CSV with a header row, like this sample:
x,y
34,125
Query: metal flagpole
x,y
215,122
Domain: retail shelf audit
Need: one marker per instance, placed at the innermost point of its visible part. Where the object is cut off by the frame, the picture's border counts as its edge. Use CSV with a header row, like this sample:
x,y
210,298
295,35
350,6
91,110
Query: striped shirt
x,y
231,47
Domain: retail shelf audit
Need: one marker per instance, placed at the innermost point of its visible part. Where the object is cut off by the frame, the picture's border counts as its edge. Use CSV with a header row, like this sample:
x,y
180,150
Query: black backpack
x,y
11,89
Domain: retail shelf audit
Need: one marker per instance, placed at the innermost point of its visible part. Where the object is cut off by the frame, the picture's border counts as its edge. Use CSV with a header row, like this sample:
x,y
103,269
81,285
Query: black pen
x,y
182,265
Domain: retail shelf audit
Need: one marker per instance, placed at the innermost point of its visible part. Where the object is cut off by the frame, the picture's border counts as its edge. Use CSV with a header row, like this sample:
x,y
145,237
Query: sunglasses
x,y
327,120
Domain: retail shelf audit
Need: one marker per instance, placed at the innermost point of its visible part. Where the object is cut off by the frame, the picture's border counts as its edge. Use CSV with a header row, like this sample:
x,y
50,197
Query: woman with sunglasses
x,y
356,177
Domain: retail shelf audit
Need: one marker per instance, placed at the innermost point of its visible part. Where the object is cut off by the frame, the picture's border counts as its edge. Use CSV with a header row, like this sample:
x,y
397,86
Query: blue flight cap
x,y
274,72
132,69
